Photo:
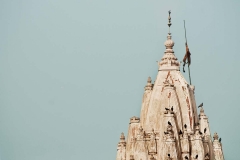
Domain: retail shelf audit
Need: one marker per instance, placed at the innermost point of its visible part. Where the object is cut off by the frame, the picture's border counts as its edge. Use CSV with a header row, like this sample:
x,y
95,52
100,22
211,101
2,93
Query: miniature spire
x,y
149,80
121,148
122,137
217,147
202,114
215,136
149,84
201,110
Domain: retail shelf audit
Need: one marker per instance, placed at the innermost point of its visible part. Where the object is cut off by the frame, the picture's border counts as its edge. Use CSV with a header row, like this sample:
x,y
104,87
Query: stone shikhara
x,y
169,127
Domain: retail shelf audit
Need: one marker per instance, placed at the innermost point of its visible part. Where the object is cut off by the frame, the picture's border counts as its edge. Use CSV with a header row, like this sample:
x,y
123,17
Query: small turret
x,y
217,147
145,100
197,143
122,138
149,85
121,148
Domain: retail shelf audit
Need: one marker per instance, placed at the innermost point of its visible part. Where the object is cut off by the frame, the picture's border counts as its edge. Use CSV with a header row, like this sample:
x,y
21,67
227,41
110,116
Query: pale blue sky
x,y
72,72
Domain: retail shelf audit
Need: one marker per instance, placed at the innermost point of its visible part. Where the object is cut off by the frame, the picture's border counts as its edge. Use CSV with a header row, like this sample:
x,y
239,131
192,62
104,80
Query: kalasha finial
x,y
169,20
149,80
122,137
215,136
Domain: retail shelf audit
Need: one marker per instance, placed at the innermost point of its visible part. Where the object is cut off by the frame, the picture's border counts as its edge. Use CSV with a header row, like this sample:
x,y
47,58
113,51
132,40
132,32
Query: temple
x,y
169,127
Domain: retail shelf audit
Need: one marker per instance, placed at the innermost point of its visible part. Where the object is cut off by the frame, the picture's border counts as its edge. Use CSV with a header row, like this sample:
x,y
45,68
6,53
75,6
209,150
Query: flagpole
x,y
185,32
189,75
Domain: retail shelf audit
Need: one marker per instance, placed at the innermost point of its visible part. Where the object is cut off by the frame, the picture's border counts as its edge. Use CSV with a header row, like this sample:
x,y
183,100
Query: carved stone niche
x,y
169,111
134,120
140,134
168,85
131,157
152,157
152,145
168,157
207,157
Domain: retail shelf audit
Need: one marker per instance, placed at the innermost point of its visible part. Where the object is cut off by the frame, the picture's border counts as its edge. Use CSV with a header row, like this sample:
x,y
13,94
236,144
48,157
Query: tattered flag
x,y
187,58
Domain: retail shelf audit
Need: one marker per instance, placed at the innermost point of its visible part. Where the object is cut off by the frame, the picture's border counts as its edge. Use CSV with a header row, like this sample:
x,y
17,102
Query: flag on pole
x,y
187,58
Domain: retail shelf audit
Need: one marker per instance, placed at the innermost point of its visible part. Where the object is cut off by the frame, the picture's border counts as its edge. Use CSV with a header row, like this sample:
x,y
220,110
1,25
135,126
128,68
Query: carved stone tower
x,y
169,127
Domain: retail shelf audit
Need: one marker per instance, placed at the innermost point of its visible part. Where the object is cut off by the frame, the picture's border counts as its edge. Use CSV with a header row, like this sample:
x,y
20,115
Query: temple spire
x,y
165,129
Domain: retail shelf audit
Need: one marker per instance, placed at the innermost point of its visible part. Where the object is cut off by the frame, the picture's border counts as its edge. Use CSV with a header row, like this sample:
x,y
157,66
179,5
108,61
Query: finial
x,y
201,110
169,20
131,157
122,137
122,140
149,85
169,60
215,136
149,80
152,158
